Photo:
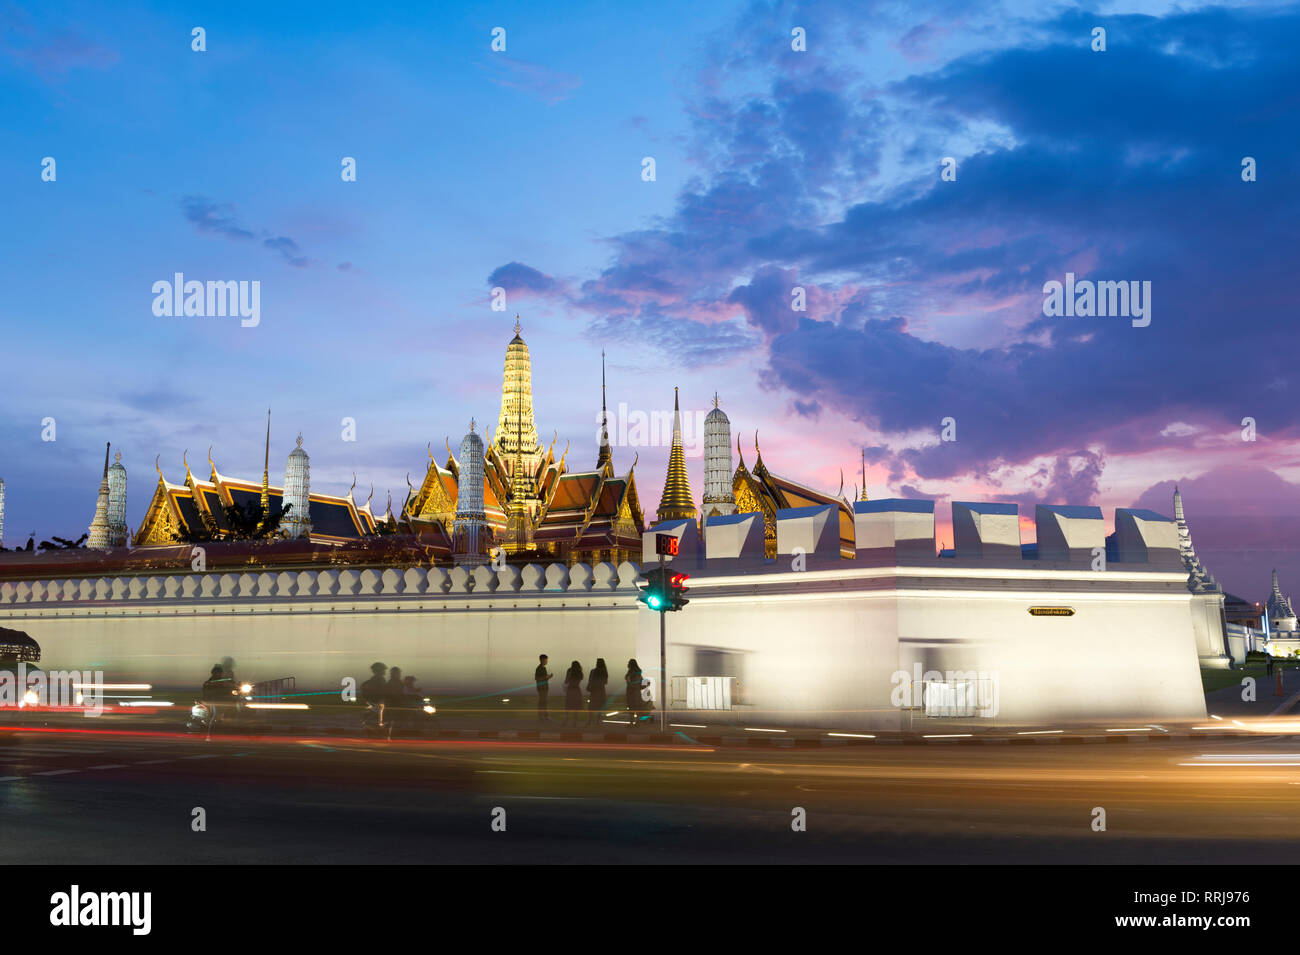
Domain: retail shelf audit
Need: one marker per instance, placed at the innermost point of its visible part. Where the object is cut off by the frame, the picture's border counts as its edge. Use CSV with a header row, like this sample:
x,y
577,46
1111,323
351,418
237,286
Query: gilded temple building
x,y
195,508
764,492
534,506
531,507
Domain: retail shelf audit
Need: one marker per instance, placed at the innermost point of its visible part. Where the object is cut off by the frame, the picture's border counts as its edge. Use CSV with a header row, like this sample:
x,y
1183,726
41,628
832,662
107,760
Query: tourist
x,y
542,677
633,679
596,684
573,693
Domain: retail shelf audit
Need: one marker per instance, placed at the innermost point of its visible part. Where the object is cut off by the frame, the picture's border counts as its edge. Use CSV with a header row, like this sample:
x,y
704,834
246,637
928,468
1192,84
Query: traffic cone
x,y
1278,689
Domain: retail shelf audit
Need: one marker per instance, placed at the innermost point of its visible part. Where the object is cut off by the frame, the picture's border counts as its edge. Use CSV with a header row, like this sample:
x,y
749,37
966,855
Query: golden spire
x,y
516,434
266,468
605,457
677,502
864,475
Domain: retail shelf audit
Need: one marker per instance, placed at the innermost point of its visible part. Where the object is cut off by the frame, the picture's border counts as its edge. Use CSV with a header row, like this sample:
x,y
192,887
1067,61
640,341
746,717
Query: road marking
x,y
558,798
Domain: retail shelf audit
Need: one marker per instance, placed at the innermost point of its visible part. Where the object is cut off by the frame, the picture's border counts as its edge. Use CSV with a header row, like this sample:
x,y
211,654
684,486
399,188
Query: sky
x,y
775,169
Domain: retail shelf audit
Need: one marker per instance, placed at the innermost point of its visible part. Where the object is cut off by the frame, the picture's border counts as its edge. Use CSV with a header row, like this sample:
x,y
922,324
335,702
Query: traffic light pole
x,y
663,665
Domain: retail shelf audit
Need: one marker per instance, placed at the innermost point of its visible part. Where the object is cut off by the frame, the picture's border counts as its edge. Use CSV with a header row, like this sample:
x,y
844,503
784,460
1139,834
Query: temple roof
x,y
199,506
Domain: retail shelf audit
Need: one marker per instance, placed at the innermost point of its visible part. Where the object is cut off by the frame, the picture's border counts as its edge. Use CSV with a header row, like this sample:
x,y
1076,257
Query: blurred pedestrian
x,y
573,693
633,680
597,681
542,677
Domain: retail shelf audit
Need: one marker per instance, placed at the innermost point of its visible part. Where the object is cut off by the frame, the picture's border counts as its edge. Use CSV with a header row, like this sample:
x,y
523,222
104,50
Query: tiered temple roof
x,y
197,508
764,492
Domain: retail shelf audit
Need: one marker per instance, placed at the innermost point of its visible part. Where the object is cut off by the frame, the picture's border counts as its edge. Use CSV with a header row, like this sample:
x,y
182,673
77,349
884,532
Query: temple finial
x,y
471,424
266,467
604,456
715,399
517,325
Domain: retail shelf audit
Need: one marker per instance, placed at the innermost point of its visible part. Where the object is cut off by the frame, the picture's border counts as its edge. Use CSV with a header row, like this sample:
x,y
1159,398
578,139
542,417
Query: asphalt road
x,y
74,797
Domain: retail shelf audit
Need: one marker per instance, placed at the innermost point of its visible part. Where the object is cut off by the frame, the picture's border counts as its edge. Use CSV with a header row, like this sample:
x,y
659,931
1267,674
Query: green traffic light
x,y
654,602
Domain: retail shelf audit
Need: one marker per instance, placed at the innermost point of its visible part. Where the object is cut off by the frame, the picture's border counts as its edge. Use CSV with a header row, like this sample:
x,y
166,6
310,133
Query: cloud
x,y
928,295
288,249
549,86
519,278
50,54
214,218
220,219
1245,521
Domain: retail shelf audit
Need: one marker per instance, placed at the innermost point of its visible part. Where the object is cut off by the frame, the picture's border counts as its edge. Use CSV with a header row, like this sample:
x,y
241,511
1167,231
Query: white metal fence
x,y
703,692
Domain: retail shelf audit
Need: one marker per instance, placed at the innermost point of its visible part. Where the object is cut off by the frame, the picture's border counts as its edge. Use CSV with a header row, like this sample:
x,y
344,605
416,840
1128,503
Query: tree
x,y
61,543
246,522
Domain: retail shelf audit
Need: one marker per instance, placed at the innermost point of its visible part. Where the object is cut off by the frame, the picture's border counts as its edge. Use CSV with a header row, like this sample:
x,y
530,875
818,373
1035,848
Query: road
x,y
72,797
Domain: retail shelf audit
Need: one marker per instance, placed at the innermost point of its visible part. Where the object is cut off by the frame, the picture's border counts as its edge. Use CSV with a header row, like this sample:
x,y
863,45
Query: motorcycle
x,y
202,716
203,713
379,720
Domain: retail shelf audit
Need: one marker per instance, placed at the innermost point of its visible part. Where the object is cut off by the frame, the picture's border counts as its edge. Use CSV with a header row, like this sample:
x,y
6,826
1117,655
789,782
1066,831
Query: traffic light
x,y
676,591
655,595
664,590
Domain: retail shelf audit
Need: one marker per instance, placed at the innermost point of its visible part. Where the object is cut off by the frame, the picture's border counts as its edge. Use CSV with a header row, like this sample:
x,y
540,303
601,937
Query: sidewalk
x,y
1228,703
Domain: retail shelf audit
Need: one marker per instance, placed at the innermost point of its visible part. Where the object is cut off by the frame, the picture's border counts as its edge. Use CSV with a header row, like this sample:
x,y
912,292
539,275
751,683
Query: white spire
x,y
1199,580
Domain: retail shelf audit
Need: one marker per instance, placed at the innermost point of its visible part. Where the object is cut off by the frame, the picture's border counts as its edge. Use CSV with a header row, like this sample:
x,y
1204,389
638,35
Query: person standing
x,y
573,694
633,680
542,677
597,682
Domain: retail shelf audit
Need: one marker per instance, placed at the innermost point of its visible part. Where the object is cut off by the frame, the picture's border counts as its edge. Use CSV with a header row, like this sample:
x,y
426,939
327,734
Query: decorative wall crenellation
x,y
603,577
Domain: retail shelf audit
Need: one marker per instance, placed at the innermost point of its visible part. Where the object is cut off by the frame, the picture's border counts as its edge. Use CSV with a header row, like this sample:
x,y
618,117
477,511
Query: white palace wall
x,y
458,641
812,638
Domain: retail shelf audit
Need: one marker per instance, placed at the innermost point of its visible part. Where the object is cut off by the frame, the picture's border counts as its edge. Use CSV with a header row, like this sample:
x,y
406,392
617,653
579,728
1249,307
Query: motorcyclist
x,y
374,690
218,690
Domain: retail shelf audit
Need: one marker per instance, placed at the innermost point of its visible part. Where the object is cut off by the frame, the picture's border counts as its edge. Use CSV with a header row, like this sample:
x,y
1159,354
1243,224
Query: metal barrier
x,y
955,698
274,691
703,692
